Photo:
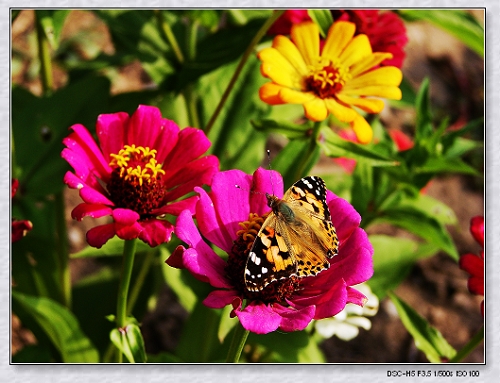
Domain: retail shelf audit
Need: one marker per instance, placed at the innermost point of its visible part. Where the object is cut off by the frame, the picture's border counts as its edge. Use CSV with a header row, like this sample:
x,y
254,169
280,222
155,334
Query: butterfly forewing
x,y
296,239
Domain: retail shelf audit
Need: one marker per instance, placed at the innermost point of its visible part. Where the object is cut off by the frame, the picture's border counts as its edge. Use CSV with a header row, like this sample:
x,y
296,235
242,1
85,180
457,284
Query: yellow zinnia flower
x,y
336,79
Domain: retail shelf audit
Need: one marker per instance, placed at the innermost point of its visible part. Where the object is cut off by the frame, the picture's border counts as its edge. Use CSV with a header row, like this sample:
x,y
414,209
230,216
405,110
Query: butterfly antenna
x,y
270,174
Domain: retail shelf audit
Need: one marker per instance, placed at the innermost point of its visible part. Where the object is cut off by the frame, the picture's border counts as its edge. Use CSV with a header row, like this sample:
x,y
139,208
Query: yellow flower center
x,y
326,77
136,179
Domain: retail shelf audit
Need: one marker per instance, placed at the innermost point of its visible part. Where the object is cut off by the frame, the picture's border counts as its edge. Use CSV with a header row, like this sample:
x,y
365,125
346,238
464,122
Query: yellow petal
x,y
339,35
369,62
276,67
363,130
370,105
342,112
288,49
385,76
306,37
269,93
292,96
315,110
358,49
391,92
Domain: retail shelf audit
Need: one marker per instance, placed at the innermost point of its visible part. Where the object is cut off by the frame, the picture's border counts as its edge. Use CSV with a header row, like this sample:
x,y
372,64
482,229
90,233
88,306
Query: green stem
x,y
44,57
237,343
63,249
139,280
262,31
473,343
312,151
121,307
169,36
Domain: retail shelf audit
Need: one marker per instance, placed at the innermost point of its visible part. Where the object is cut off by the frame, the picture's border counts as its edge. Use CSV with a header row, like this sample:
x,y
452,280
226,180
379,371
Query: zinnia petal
x,y
289,50
343,113
306,37
363,130
357,49
258,318
269,93
99,235
279,69
369,105
339,35
316,110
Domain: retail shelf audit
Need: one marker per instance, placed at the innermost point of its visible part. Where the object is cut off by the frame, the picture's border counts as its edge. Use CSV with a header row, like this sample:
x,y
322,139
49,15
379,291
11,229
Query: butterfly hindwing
x,y
296,239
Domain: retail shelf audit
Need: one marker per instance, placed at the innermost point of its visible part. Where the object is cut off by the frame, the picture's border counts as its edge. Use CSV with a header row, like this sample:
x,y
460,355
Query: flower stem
x,y
239,338
239,68
139,280
473,343
169,36
128,262
44,57
311,153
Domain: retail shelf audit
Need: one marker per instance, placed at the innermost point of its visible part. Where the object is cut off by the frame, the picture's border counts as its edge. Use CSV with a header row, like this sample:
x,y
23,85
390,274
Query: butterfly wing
x,y
269,258
312,232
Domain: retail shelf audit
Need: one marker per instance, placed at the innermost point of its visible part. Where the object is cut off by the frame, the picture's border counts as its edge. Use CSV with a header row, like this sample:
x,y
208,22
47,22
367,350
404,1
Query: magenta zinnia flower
x,y
142,169
474,264
230,217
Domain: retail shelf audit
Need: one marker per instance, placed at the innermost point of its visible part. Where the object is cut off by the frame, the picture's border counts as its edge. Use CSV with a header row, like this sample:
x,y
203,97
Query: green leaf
x,y
427,338
295,160
61,327
421,224
446,165
431,207
288,129
38,134
457,22
393,259
362,187
199,342
322,17
423,125
334,146
135,343
235,142
137,34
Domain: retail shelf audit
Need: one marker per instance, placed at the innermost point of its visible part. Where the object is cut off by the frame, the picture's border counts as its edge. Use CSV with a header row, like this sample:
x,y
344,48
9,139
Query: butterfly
x,y
296,239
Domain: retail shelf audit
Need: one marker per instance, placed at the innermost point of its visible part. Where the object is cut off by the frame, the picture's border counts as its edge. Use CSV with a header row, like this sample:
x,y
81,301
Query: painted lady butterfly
x,y
296,239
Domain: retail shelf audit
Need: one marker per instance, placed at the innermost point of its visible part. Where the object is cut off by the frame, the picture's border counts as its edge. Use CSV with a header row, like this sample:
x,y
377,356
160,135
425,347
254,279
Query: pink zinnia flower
x,y
20,227
142,169
474,264
230,217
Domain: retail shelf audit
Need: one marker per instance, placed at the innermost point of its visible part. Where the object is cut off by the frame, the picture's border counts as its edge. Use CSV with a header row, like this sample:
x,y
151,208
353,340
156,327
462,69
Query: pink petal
x,y
220,298
83,145
90,210
259,318
332,302
84,173
125,216
200,259
264,181
195,173
128,231
356,297
219,233
99,235
344,217
144,127
231,204
293,319
110,130
477,229
166,140
156,231
93,196
192,144
176,208
175,259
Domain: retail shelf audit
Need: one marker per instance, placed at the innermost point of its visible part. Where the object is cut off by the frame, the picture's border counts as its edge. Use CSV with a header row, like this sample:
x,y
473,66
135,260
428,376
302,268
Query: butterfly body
x,y
296,239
